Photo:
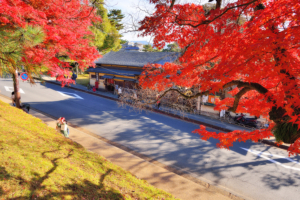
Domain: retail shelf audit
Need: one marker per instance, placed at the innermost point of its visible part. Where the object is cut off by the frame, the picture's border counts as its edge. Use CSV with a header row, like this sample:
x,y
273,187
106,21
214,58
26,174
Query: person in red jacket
x,y
96,84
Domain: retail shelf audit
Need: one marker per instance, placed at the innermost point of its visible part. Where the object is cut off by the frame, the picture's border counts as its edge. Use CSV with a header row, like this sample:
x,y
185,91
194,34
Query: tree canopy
x,y
65,25
260,56
149,48
107,37
173,47
12,45
115,16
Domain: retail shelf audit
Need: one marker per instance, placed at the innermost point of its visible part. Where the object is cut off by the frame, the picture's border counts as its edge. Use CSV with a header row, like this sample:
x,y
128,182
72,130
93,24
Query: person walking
x,y
158,102
74,77
62,126
116,89
119,92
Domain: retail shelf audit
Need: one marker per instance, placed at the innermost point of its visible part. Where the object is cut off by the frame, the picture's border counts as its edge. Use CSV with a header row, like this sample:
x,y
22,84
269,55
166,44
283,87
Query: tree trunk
x,y
76,65
16,89
219,3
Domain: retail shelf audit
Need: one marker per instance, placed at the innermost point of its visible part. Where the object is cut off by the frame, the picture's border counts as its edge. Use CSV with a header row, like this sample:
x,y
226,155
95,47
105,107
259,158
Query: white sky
x,y
129,8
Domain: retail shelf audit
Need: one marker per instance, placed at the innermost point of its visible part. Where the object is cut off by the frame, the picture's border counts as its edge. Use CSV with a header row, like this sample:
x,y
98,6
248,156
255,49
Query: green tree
x,y
13,42
173,47
123,41
106,35
115,16
148,48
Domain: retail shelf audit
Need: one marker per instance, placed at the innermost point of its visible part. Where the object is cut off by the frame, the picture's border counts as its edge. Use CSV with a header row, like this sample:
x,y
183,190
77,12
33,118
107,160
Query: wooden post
x,y
200,104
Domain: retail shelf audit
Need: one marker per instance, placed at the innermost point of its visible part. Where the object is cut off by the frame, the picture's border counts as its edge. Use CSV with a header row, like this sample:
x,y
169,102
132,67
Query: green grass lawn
x,y
36,162
83,79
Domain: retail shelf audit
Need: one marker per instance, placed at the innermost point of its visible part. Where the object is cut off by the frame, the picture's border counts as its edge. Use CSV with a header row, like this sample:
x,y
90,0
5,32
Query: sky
x,y
135,9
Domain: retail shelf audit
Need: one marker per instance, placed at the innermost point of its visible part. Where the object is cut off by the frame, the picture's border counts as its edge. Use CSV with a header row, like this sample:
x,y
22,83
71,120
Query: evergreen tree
x,y
173,47
106,35
115,16
13,42
148,48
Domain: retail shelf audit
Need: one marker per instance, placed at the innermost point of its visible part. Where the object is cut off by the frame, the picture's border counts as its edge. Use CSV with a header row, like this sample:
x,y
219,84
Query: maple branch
x,y
254,86
208,61
237,98
93,3
219,2
172,4
209,21
184,95
246,88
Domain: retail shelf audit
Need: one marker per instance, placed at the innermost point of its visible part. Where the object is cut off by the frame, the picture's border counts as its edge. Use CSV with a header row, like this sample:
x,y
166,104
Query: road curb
x,y
263,141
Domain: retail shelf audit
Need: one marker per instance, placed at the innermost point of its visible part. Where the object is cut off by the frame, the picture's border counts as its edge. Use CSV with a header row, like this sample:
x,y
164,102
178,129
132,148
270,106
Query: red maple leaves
x,y
65,25
254,42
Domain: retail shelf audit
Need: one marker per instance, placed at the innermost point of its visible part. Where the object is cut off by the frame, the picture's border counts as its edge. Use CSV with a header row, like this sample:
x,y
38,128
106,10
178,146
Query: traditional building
x,y
123,68
130,46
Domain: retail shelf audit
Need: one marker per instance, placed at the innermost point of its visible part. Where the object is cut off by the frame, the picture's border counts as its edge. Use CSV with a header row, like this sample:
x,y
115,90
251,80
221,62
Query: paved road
x,y
252,170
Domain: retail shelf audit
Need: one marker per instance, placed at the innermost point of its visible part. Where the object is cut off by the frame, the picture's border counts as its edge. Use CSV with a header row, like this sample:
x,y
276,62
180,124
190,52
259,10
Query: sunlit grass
x,y
83,79
36,162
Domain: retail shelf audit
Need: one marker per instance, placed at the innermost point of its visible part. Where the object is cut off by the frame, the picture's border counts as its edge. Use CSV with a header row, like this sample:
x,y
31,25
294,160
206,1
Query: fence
x,y
6,75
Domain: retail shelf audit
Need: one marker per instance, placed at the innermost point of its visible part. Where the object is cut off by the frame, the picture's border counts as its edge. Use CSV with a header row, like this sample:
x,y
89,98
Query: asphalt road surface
x,y
254,171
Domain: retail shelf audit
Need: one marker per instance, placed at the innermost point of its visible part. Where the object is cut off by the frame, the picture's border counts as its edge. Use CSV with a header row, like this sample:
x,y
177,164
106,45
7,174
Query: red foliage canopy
x,y
260,56
65,24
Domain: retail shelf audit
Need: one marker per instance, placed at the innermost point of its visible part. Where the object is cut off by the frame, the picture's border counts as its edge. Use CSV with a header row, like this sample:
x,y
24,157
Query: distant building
x,y
131,46
123,68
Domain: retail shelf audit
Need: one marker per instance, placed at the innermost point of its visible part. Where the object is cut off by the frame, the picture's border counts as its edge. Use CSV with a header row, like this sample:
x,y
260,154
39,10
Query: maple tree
x,y
259,57
65,25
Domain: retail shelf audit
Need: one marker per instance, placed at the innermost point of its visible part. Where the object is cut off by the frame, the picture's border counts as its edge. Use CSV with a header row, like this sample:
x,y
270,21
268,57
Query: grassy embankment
x,y
36,162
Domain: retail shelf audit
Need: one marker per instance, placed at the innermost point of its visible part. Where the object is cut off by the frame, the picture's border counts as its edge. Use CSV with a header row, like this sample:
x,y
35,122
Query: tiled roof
x,y
114,71
132,48
137,59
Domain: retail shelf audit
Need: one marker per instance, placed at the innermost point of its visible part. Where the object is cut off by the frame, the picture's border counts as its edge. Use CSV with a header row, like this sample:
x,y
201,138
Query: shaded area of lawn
x,y
39,163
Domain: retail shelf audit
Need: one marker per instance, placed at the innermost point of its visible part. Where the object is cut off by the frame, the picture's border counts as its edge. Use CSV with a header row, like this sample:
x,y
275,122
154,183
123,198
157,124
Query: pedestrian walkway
x,y
156,175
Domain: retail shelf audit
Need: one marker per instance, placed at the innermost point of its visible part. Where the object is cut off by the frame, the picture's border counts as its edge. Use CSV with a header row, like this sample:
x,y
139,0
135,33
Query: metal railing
x,y
6,75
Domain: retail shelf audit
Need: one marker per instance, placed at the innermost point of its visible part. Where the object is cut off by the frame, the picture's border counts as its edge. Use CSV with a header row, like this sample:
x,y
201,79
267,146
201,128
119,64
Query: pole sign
x,y
24,76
